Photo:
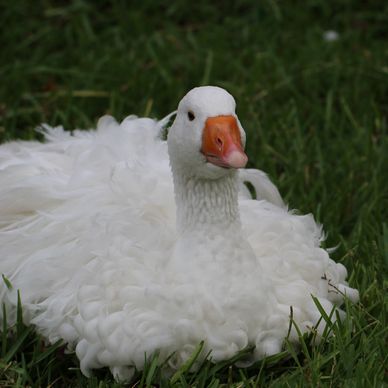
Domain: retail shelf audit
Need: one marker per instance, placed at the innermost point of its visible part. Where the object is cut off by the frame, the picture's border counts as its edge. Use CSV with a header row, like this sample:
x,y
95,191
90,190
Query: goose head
x,y
206,139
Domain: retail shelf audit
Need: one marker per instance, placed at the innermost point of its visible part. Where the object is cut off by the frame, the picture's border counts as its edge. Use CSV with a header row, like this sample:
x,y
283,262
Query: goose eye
x,y
190,115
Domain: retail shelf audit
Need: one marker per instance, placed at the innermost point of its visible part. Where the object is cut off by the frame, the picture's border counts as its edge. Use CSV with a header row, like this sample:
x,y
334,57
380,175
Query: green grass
x,y
315,113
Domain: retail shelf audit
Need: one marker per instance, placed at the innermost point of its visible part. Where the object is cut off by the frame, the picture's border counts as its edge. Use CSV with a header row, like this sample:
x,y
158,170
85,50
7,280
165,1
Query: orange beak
x,y
221,142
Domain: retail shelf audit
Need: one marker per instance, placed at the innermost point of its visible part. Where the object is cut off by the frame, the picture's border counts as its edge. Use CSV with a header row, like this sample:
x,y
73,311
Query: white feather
x,y
263,186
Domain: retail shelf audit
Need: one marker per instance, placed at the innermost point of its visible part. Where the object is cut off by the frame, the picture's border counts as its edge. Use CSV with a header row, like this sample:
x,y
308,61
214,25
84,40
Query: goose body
x,y
123,244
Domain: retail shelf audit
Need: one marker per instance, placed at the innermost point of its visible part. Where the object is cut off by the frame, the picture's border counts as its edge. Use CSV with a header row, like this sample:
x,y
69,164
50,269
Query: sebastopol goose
x,y
123,244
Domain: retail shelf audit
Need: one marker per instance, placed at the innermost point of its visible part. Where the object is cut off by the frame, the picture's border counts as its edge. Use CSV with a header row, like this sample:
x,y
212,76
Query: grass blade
x,y
188,364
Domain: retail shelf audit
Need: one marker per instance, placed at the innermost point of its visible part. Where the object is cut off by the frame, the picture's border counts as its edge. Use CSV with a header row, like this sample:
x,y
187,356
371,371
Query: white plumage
x,y
88,234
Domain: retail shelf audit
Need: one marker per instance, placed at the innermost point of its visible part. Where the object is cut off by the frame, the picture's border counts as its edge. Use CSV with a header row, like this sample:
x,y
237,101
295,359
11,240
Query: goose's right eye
x,y
190,115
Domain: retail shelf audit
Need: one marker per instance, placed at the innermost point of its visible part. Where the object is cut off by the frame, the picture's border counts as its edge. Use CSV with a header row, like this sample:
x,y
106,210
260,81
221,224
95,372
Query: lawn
x,y
315,112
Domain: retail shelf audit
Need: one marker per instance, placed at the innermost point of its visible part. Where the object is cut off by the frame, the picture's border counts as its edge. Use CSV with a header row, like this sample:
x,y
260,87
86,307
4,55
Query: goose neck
x,y
206,204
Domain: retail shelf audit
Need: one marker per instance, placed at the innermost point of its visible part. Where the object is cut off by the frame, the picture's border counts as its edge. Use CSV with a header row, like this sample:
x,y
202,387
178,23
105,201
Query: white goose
x,y
88,235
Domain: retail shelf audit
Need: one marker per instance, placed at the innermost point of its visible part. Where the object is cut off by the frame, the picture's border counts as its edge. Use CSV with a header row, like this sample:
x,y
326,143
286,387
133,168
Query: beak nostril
x,y
219,142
